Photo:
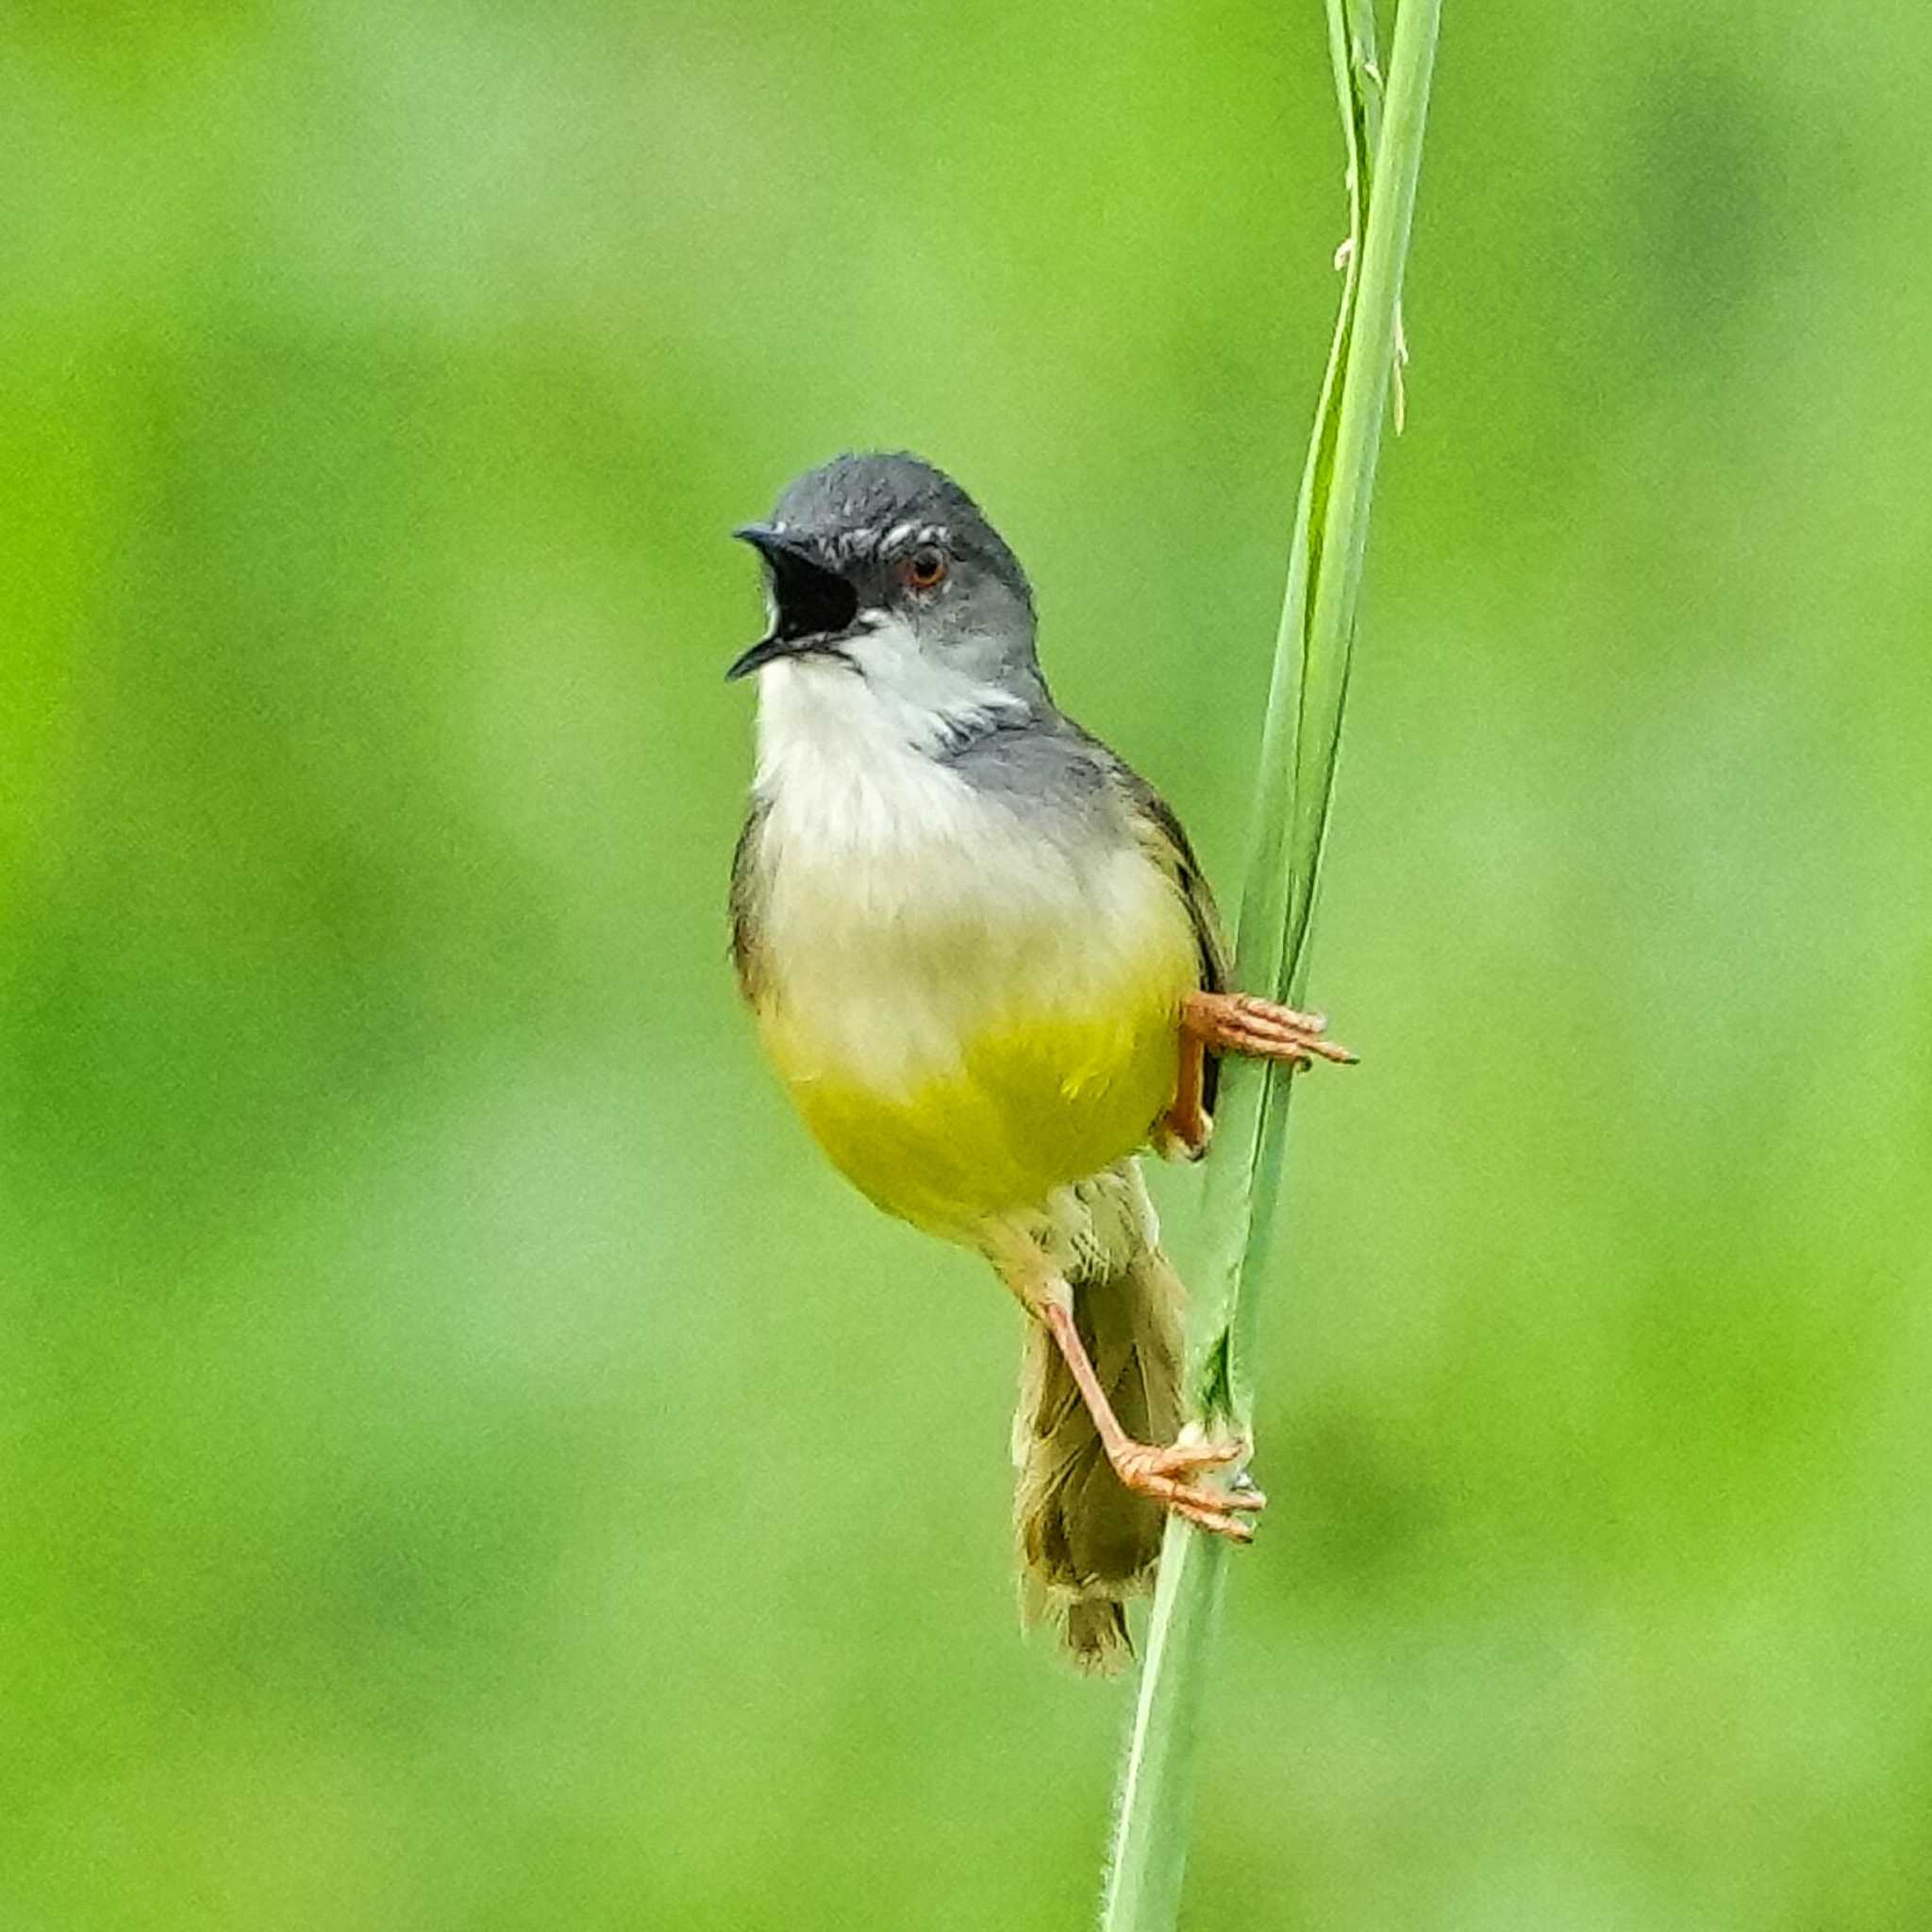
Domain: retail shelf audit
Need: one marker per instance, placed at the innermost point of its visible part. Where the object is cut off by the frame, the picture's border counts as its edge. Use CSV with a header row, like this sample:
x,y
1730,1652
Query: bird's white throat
x,y
848,758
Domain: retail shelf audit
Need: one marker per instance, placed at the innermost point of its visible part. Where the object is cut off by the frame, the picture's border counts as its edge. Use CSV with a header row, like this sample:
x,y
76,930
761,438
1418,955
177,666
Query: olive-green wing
x,y
747,902
1166,842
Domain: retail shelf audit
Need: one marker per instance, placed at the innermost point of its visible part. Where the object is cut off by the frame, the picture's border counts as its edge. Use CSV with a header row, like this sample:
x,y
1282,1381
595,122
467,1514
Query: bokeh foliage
x,y
465,1462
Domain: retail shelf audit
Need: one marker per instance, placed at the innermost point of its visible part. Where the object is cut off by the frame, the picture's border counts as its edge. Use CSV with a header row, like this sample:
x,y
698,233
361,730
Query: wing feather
x,y
1166,842
748,902
1165,838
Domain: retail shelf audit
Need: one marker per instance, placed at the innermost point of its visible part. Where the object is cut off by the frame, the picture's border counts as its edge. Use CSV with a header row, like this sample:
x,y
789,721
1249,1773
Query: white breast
x,y
904,909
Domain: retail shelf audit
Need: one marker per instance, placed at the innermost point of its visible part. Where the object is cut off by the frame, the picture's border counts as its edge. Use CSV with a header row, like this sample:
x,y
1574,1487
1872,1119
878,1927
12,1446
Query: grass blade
x,y
1383,138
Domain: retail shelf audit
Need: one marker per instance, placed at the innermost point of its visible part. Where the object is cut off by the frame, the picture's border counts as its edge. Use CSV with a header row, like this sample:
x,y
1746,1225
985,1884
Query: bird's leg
x,y
1184,1130
1164,1473
1241,1023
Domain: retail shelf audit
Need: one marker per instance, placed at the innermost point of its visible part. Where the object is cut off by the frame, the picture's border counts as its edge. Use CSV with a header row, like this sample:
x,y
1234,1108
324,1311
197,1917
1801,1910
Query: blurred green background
x,y
466,1461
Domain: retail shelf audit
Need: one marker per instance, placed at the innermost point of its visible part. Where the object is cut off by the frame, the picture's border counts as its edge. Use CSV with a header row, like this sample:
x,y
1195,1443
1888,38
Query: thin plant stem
x,y
1383,136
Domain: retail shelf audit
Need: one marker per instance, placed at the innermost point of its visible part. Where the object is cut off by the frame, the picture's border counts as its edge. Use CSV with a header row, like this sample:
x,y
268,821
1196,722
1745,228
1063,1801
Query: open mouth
x,y
812,602
815,607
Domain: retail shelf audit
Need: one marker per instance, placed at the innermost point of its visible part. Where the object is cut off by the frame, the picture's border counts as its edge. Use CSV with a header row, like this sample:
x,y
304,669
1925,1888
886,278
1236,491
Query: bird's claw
x,y
1165,1475
1246,1023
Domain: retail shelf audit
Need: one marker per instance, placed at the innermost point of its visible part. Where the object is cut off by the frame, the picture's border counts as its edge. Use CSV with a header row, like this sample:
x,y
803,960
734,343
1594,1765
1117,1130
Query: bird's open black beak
x,y
813,602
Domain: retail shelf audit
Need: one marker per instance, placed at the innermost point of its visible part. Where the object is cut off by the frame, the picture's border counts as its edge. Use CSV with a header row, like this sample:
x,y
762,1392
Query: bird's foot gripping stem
x,y
1233,1023
1166,1476
1243,1023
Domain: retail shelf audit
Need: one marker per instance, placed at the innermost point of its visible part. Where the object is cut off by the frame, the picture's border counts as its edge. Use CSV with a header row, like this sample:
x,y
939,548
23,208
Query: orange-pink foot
x,y
1166,1476
1242,1023
1182,1133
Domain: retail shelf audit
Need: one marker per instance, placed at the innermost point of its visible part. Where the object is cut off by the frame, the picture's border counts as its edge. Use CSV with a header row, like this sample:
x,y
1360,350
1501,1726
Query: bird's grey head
x,y
883,568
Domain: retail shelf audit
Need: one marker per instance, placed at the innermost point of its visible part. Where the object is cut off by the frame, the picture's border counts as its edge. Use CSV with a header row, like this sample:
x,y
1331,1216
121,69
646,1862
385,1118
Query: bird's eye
x,y
925,569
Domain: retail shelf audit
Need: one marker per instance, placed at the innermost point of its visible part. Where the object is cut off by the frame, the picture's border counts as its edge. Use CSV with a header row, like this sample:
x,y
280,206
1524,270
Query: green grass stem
x,y
1383,134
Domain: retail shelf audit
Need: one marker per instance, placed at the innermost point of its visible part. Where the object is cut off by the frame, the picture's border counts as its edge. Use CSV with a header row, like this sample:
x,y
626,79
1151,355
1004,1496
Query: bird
x,y
988,969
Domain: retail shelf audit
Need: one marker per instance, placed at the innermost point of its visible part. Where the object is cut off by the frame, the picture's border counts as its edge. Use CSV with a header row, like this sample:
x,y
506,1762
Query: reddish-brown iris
x,y
925,569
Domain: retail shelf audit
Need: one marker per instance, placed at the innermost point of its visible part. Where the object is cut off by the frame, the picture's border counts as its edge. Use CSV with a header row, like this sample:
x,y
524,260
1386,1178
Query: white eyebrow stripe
x,y
924,533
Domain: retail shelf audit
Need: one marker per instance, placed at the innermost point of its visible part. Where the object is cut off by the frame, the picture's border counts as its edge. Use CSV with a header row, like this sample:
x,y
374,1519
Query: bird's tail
x,y
1086,1543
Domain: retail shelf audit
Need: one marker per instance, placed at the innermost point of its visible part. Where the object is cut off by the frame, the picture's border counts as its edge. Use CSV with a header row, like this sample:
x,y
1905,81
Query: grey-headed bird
x,y
988,972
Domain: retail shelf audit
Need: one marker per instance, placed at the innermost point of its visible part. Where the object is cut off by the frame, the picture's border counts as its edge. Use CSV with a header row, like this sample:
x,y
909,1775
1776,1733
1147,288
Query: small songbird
x,y
985,964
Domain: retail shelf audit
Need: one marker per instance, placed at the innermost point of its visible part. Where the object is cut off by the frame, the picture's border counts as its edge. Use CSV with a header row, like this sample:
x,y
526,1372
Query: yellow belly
x,y
1035,1098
